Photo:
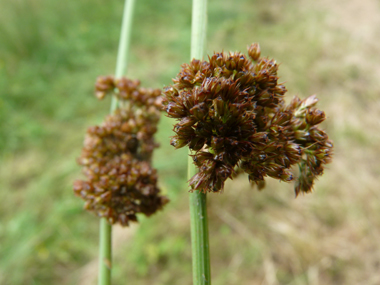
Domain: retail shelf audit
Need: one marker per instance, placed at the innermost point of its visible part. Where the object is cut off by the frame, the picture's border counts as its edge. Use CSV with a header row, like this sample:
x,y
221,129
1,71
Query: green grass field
x,y
50,55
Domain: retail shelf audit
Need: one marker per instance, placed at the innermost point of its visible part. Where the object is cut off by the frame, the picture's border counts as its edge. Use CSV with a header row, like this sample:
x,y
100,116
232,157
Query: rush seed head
x,y
116,155
231,112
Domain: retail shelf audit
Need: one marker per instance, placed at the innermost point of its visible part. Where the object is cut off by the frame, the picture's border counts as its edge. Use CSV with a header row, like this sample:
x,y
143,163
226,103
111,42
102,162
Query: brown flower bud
x,y
254,51
315,117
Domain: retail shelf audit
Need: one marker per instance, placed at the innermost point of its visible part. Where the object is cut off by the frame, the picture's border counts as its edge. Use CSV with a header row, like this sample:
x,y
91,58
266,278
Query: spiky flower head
x,y
231,113
116,155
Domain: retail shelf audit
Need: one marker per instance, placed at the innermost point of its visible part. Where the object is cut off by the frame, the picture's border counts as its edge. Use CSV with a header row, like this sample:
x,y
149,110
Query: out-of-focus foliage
x,y
51,52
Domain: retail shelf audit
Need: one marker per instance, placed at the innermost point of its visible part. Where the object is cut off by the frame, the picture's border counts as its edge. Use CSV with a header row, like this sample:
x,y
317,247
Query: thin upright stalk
x,y
105,246
124,43
198,202
199,238
105,253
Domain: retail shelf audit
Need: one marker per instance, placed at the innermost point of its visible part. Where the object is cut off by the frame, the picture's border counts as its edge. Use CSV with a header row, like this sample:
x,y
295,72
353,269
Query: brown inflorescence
x,y
116,156
231,113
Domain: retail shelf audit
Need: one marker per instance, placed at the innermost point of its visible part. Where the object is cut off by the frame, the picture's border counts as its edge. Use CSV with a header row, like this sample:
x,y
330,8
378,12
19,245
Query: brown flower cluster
x,y
128,90
232,114
116,155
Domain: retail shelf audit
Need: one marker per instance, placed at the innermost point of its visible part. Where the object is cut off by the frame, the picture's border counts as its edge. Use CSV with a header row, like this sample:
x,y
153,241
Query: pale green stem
x,y
105,246
105,252
198,28
199,238
124,43
198,202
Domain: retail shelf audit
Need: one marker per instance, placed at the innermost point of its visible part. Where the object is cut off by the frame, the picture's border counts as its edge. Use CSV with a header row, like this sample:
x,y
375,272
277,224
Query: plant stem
x,y
105,246
198,200
105,252
199,238
124,43
198,28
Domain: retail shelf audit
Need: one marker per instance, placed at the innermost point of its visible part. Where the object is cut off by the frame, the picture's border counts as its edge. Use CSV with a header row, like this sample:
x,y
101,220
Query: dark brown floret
x,y
120,189
254,51
232,114
116,155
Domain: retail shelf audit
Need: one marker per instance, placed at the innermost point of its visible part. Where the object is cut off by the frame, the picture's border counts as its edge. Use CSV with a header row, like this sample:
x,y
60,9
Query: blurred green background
x,y
50,55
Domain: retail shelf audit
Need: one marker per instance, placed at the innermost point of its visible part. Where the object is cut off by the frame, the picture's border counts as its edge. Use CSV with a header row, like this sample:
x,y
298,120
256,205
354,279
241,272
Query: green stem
x,y
198,28
105,252
105,246
124,43
199,238
198,200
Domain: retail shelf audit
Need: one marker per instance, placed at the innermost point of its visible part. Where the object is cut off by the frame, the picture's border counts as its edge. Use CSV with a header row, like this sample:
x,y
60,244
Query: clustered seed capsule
x,y
116,155
128,90
231,113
